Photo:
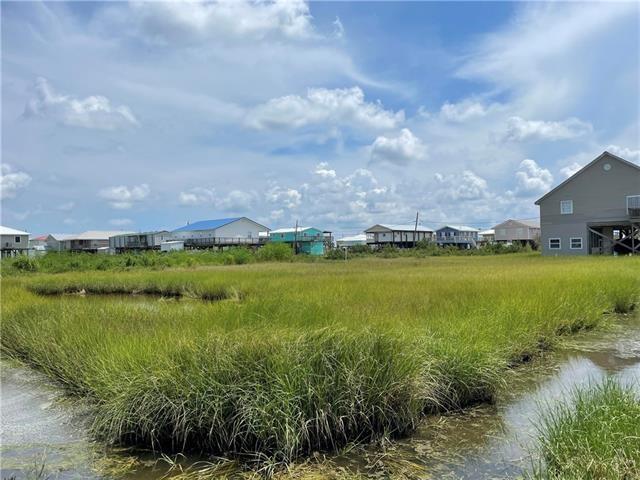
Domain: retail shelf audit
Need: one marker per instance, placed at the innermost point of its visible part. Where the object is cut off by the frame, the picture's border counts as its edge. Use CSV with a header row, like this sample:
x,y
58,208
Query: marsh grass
x,y
312,357
594,435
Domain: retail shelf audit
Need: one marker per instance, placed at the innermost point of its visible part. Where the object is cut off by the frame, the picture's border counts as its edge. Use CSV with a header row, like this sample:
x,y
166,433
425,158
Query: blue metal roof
x,y
206,224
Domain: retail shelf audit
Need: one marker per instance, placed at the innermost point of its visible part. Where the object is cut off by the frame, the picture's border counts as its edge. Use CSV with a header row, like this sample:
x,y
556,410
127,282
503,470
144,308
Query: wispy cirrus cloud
x,y
93,112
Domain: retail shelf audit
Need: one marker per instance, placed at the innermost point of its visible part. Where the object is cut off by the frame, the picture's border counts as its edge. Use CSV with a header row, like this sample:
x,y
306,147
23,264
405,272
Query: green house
x,y
308,239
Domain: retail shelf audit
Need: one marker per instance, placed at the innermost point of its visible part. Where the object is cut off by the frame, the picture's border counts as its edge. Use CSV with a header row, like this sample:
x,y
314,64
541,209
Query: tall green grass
x,y
306,357
594,435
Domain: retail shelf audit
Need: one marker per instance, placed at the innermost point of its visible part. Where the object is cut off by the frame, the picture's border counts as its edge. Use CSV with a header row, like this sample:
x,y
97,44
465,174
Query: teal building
x,y
307,240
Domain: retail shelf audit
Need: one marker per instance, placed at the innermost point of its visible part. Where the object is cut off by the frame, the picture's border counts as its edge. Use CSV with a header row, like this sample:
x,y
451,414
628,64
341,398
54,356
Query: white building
x,y
402,236
220,232
13,242
352,241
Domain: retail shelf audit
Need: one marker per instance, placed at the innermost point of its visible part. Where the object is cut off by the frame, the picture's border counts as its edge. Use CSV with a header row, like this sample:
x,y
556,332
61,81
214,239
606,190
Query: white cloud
x,y
233,201
122,197
519,129
67,206
197,196
532,179
340,107
338,28
569,170
11,182
625,152
323,170
464,187
120,222
286,197
551,55
94,112
463,111
188,22
399,150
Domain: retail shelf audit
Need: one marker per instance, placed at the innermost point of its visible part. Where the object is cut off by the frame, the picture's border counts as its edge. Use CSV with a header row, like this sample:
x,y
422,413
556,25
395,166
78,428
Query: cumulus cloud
x,y
286,197
120,222
569,170
463,111
625,152
94,112
11,181
340,107
456,188
232,201
328,198
122,197
399,150
187,22
532,179
519,129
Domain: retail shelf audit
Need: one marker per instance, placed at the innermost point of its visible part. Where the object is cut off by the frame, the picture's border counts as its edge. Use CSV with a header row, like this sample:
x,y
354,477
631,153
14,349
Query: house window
x,y
554,244
566,207
633,205
576,243
17,239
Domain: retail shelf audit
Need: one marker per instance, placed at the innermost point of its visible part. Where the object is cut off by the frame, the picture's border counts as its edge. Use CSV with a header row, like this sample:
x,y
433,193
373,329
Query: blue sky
x,y
336,114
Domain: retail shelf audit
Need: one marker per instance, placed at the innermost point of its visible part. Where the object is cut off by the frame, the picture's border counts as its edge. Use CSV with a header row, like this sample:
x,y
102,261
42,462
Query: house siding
x,y
598,195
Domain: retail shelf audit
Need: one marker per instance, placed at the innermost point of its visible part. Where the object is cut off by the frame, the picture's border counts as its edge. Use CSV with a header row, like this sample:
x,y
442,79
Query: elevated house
x,y
91,241
400,236
307,240
13,242
459,236
220,233
595,211
518,231
486,237
55,241
138,241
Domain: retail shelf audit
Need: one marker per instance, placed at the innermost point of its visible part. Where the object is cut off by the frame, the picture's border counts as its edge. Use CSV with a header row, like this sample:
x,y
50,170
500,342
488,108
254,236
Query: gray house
x,y
518,231
457,235
595,211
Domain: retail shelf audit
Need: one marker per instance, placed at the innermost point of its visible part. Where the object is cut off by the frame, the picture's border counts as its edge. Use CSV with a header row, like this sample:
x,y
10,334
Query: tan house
x,y
13,242
518,231
595,211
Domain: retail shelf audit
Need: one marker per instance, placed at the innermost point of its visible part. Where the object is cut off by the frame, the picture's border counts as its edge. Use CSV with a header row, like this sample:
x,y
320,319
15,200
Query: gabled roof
x,y
586,167
207,224
489,231
459,228
401,228
11,231
62,236
525,223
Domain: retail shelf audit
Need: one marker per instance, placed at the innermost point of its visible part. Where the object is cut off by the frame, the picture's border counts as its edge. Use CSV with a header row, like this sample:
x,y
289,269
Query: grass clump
x,y
313,357
595,435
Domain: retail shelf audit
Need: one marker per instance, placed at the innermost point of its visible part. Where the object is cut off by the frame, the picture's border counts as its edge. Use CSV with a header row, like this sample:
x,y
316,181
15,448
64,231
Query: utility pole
x,y
415,230
295,240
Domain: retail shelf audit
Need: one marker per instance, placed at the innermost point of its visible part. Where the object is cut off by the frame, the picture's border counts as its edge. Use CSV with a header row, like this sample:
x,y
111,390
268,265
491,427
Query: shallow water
x,y
487,441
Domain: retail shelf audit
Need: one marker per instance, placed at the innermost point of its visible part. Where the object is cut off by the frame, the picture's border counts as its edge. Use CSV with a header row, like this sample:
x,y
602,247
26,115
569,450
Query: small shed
x,y
13,242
